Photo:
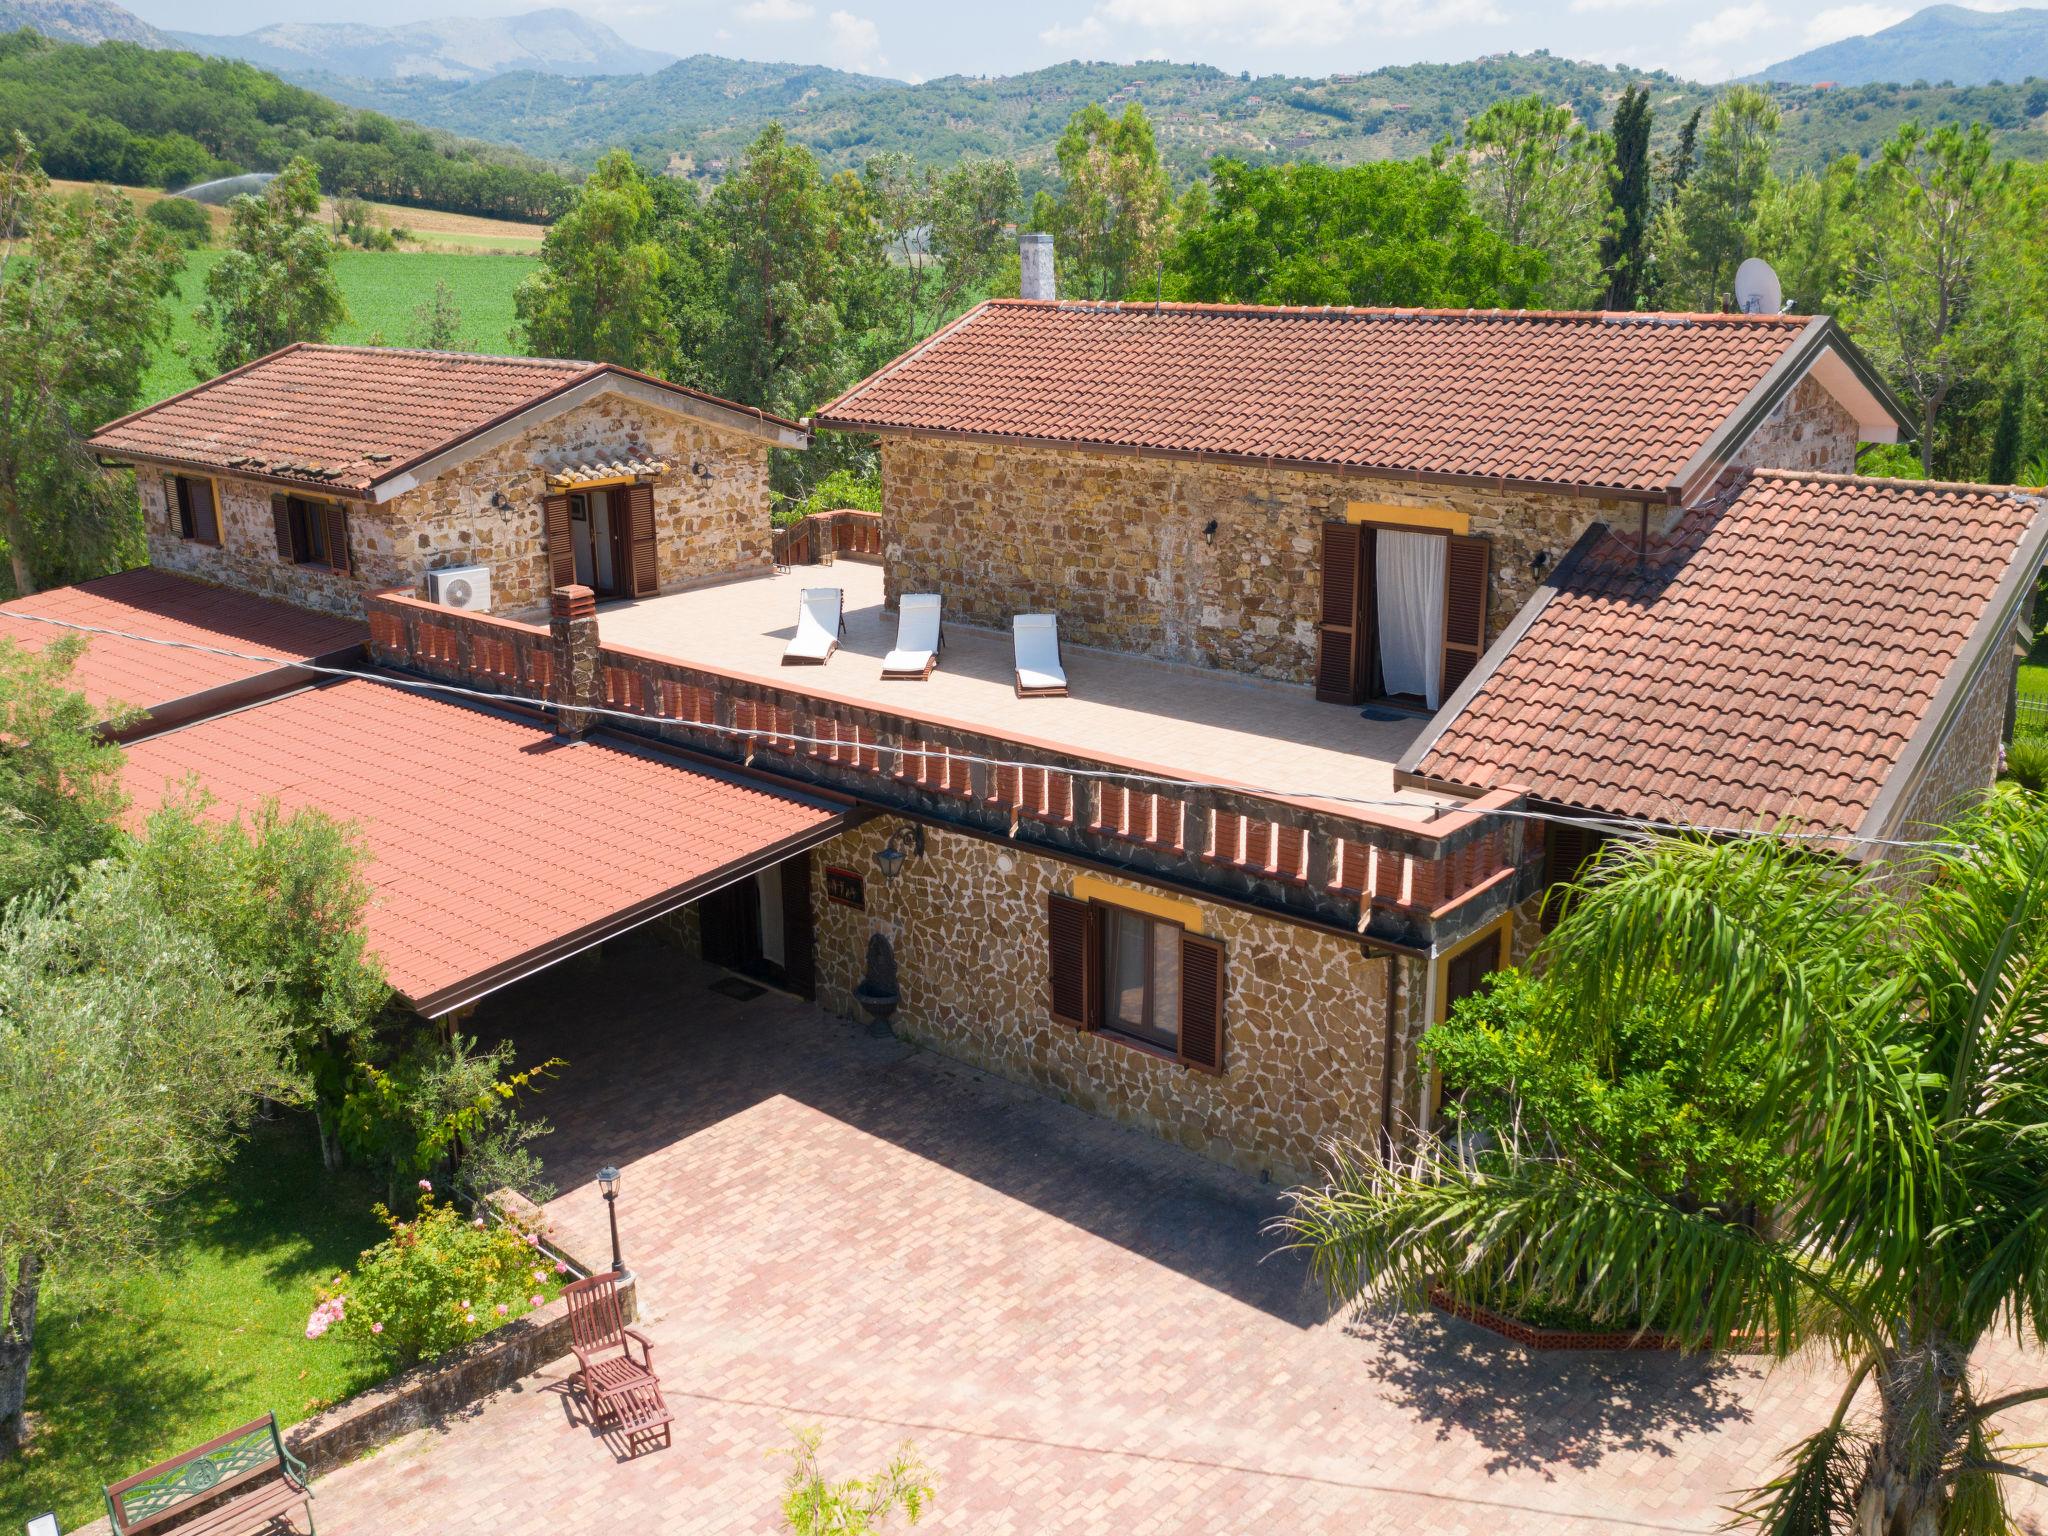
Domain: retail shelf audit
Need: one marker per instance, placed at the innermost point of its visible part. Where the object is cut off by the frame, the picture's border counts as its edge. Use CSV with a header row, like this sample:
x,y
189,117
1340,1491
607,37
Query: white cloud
x,y
1581,7
856,43
1261,24
1733,24
1840,21
1089,29
777,10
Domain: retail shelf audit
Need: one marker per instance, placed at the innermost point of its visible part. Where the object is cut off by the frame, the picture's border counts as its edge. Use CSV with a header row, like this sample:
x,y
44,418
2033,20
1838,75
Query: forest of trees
x,y
135,116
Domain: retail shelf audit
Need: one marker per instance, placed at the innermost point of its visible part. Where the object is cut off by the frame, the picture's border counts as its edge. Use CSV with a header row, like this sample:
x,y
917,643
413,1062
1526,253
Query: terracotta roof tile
x,y
490,837
165,606
1600,401
348,417
1770,661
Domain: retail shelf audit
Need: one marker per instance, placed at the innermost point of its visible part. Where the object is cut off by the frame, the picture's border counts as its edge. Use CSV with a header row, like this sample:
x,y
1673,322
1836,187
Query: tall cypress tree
x,y
1628,186
2008,438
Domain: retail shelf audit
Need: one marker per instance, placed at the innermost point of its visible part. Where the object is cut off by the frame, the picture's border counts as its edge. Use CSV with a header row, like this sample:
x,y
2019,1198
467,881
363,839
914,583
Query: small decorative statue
x,y
877,990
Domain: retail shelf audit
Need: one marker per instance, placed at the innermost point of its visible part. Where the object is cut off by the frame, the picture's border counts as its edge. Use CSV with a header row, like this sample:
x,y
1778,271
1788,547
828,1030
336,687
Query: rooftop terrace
x,y
1182,721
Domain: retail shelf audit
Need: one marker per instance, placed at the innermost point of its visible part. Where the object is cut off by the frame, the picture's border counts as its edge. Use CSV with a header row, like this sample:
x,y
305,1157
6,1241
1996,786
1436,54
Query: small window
x,y
1142,984
194,507
311,532
1468,969
1137,977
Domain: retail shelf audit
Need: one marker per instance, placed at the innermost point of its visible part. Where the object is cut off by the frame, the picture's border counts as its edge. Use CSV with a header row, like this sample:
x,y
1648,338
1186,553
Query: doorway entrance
x,y
761,926
600,551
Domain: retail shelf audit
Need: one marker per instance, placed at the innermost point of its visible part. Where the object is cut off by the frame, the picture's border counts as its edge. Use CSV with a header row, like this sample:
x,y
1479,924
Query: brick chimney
x,y
572,626
1034,267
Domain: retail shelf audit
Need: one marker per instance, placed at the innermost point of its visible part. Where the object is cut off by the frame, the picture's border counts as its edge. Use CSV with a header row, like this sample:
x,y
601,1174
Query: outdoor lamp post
x,y
608,1182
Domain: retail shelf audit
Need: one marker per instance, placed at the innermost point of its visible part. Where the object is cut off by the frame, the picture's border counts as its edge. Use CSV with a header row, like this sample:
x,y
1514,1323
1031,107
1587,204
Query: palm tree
x,y
1906,1075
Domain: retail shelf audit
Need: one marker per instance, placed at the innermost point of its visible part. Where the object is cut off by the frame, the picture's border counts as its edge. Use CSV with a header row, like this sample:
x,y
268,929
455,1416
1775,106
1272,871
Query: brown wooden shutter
x,y
281,516
181,505
1073,932
644,575
1201,1002
1467,971
1565,852
799,940
560,537
336,518
1340,637
1468,563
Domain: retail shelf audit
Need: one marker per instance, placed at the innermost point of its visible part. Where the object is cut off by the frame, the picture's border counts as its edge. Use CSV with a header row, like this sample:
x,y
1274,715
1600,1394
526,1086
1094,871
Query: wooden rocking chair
x,y
615,1385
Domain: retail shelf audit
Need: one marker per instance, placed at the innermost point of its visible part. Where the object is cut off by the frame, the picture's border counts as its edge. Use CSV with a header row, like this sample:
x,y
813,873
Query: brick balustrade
x,y
1424,882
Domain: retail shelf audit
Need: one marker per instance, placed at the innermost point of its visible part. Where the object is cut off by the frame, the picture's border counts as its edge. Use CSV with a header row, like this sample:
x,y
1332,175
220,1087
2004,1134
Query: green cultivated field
x,y
382,289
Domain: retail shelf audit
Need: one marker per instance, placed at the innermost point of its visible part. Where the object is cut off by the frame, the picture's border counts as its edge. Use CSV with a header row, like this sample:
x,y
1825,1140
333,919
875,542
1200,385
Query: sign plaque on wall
x,y
846,887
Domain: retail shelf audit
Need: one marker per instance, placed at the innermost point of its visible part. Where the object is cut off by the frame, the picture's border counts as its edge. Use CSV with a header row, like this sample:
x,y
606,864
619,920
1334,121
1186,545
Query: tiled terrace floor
x,y
1191,722
1082,1330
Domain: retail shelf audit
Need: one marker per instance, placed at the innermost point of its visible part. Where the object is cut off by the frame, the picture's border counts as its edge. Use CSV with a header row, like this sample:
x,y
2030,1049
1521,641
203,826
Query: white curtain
x,y
1411,610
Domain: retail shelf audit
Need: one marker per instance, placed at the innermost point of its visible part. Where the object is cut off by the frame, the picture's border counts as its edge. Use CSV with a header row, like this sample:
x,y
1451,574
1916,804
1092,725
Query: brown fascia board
x,y
1405,775
2012,592
1654,495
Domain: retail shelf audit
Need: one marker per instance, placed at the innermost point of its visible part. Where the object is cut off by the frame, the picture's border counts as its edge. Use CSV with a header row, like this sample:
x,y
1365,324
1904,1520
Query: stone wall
x,y
1962,767
1115,545
704,528
1809,429
1304,1011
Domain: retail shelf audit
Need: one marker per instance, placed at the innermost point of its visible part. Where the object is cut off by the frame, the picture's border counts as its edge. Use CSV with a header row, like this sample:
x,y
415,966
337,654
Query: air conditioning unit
x,y
467,587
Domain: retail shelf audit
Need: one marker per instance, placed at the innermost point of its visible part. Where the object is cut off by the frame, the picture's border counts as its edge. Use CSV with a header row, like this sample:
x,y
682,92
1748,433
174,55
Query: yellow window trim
x,y
1500,933
1442,519
1095,888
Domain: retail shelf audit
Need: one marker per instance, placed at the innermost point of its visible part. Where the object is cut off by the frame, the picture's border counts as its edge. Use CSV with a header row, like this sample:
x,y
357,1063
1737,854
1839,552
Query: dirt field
x,y
435,231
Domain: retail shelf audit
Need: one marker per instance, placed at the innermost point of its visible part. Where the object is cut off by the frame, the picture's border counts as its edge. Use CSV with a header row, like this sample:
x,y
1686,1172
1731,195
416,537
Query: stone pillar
x,y
572,626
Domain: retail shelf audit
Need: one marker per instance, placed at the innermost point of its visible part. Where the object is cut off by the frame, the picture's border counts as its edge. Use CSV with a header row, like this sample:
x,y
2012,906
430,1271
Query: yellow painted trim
x,y
1095,888
1500,932
1440,518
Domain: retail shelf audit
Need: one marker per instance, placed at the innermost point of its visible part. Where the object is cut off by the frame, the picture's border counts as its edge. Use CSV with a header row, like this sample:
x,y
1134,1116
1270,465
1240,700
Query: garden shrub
x,y
841,488
2026,763
439,1280
183,220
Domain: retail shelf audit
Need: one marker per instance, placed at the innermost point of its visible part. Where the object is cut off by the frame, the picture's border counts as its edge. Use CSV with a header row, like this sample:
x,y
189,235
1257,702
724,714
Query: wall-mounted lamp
x,y
501,501
905,843
1209,532
701,471
1540,559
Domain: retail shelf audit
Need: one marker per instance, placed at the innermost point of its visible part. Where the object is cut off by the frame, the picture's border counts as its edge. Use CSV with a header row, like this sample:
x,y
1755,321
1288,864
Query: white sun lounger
x,y
820,621
919,638
1039,673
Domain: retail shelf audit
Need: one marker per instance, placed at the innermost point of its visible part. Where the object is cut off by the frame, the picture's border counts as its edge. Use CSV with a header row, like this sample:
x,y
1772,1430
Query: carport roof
x,y
496,847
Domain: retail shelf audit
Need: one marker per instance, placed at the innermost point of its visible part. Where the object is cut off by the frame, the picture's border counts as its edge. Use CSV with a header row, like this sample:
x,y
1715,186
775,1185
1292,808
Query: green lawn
x,y
210,1335
382,289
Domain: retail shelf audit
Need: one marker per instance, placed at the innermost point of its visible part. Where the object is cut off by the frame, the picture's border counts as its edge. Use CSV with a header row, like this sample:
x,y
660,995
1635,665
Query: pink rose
x,y
427,1185
540,1274
503,1309
561,1268
536,1301
478,1222
376,1327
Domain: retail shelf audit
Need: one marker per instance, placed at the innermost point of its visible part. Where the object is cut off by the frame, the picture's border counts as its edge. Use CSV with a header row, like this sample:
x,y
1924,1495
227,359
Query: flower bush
x,y
437,1281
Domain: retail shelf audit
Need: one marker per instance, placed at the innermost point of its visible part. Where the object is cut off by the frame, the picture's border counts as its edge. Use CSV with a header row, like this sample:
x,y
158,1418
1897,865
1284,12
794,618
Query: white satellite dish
x,y
1757,291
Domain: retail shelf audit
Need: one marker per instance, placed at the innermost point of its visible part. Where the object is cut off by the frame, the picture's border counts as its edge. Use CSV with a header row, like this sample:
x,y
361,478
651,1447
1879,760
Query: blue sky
x,y
919,39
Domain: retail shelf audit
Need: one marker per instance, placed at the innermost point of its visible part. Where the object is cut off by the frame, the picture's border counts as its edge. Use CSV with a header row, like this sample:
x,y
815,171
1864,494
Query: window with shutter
x,y
334,519
281,517
1073,954
644,579
1468,565
560,537
1340,634
1468,969
1566,850
1201,1002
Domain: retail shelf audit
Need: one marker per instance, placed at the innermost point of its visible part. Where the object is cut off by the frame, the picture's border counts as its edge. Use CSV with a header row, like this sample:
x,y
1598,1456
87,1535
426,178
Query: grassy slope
x,y
431,230
382,290
208,1336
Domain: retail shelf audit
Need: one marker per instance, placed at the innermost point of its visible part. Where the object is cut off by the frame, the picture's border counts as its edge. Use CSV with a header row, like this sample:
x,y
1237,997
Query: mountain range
x,y
551,42
1943,42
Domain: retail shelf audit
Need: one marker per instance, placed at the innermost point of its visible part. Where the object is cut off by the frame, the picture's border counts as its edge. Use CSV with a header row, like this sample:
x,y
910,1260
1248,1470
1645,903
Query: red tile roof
x,y
1588,400
349,417
1769,663
491,838
164,606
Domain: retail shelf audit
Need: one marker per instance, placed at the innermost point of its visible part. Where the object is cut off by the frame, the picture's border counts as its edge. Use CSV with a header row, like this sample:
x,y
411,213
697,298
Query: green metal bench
x,y
241,1483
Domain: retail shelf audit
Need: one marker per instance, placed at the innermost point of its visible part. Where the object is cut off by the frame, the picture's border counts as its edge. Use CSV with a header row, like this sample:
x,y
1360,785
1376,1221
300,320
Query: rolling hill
x,y
552,42
1943,42
81,21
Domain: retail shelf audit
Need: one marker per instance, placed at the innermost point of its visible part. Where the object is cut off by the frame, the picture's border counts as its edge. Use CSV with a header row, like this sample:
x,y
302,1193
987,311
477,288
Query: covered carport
x,y
498,847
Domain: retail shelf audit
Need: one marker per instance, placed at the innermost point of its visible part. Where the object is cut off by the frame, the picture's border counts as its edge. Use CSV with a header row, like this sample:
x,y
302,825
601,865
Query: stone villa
x,y
1349,600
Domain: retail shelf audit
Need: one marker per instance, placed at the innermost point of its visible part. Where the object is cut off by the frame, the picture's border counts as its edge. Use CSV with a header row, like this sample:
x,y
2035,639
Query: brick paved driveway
x,y
1083,1331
